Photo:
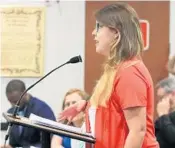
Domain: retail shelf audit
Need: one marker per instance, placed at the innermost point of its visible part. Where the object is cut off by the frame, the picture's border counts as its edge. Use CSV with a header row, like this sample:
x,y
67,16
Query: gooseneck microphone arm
x,y
17,105
73,60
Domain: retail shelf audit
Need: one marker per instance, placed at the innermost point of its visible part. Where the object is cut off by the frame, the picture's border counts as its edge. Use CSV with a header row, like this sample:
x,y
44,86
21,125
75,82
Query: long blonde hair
x,y
123,18
81,93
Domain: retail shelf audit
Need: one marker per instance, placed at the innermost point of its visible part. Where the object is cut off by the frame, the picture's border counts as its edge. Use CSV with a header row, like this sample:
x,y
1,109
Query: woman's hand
x,y
72,111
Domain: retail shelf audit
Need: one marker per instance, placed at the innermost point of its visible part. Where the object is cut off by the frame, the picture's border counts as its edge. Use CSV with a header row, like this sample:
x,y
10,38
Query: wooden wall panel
x,y
155,58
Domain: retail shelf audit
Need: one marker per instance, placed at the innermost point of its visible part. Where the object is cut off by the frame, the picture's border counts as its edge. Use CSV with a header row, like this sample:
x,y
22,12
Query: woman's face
x,y
70,100
103,37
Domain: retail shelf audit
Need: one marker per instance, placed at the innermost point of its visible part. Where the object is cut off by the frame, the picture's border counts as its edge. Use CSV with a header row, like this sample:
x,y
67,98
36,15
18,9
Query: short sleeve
x,y
131,90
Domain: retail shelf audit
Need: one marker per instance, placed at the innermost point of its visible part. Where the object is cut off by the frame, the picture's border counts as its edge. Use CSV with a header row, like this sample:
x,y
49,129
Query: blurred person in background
x,y
165,124
24,136
71,97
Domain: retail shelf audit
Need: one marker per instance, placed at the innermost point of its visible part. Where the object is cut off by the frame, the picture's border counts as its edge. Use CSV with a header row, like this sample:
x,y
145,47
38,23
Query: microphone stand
x,y
73,60
22,95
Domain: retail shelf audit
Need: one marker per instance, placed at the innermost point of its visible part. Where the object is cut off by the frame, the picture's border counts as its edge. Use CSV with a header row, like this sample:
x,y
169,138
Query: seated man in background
x,y
165,124
24,136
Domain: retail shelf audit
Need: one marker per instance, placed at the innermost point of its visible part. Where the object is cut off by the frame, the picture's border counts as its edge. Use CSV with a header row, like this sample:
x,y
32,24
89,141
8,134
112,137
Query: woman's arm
x,y
56,142
136,121
7,146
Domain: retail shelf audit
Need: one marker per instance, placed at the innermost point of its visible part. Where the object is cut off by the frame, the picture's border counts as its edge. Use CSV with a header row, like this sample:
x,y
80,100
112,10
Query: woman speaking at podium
x,y
120,110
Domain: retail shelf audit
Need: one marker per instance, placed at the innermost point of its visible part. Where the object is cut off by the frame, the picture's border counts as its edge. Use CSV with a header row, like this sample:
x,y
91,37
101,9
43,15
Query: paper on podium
x,y
46,122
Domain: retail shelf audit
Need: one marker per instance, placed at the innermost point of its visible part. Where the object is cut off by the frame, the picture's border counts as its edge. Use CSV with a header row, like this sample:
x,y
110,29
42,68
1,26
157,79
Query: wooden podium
x,y
46,130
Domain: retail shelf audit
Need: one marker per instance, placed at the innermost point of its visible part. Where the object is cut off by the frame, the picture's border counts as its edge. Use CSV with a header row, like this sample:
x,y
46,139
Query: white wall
x,y
64,38
172,28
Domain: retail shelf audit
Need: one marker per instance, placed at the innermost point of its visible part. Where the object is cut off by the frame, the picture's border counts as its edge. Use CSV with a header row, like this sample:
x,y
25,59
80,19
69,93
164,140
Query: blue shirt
x,y
66,142
30,136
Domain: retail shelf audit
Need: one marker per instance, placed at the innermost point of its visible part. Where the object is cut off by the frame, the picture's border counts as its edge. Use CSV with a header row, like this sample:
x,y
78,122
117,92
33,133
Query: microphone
x,y
73,60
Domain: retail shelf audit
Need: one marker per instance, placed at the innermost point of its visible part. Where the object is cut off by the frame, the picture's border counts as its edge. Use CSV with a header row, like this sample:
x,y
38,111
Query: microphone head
x,y
75,59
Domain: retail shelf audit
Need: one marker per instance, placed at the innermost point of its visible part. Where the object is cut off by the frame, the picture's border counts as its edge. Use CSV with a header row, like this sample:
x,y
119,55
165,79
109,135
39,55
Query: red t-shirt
x,y
132,87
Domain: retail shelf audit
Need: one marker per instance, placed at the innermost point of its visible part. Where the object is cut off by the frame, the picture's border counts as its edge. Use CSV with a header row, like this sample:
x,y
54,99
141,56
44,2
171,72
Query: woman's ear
x,y
117,37
117,34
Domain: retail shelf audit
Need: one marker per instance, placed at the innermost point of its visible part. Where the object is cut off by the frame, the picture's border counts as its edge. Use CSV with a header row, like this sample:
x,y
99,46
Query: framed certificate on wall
x,y
22,41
